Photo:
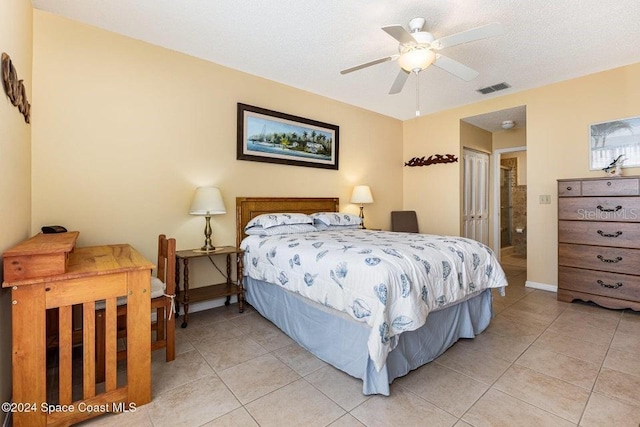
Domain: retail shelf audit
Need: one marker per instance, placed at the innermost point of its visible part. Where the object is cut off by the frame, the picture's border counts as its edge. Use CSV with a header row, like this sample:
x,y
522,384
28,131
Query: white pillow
x,y
321,226
157,287
271,220
335,218
280,229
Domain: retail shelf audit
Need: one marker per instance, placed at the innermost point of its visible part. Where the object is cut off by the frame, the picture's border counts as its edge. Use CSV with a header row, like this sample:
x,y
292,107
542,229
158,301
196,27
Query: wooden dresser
x,y
599,241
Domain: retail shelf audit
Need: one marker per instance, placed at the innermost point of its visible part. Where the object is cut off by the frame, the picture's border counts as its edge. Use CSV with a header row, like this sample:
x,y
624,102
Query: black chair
x,y
404,221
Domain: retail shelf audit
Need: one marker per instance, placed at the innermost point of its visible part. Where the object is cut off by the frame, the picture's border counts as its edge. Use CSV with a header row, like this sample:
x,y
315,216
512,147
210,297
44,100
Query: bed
x,y
386,302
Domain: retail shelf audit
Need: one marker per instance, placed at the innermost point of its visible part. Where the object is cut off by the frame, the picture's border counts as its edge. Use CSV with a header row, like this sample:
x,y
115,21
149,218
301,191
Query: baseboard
x,y
541,286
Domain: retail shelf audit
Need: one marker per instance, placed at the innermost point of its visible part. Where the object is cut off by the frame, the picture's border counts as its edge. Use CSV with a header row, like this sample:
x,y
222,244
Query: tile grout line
x,y
491,386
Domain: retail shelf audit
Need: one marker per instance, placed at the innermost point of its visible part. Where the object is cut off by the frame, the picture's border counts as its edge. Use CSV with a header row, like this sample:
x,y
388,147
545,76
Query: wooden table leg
x,y
139,338
177,290
29,354
239,276
229,282
185,293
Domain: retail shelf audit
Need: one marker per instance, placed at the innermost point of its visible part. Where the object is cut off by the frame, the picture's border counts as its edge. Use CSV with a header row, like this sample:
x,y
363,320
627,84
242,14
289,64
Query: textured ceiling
x,y
305,43
493,121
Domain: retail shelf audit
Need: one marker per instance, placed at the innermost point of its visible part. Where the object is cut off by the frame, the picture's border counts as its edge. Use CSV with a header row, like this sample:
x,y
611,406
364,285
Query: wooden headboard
x,y
250,207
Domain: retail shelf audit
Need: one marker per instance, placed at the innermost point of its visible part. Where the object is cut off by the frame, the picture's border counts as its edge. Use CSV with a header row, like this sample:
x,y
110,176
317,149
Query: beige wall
x,y
15,164
127,130
433,191
475,138
557,140
516,137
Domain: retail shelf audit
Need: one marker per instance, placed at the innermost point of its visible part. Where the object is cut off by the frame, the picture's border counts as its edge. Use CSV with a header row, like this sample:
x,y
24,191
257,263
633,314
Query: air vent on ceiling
x,y
494,88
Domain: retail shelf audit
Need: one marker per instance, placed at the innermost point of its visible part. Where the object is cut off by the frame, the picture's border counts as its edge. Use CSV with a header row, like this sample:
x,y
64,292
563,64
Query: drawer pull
x,y
603,234
569,188
616,209
604,285
601,258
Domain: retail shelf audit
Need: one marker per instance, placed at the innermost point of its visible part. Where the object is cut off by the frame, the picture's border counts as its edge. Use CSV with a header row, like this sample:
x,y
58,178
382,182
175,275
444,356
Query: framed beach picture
x,y
613,139
273,137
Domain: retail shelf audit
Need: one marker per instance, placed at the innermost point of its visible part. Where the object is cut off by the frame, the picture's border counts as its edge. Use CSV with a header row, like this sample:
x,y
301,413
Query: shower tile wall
x,y
506,178
519,211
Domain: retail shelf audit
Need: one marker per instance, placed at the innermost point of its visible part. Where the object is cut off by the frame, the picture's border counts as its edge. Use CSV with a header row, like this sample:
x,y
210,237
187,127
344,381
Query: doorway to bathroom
x,y
512,200
506,207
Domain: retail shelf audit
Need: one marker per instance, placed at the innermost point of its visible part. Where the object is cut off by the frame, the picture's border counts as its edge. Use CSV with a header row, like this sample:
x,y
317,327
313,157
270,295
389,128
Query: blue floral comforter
x,y
389,280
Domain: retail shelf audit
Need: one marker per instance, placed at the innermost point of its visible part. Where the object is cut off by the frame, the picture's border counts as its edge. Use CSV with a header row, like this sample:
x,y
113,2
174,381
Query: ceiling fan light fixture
x,y
416,58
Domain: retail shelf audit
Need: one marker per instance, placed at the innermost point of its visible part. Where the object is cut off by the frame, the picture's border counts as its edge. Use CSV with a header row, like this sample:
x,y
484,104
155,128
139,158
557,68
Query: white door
x,y
475,209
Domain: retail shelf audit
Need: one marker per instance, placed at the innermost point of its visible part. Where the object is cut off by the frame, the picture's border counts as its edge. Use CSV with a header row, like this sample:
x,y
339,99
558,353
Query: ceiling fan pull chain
x,y
417,94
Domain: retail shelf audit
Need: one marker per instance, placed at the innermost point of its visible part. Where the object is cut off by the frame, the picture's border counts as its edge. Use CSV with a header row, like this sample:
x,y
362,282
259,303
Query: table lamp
x,y
207,201
361,194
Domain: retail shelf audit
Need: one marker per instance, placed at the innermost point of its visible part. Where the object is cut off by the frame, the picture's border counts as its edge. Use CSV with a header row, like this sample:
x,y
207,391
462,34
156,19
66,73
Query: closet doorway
x,y
475,205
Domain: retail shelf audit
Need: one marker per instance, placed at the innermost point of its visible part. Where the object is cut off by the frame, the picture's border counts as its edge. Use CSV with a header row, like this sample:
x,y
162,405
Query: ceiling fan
x,y
418,50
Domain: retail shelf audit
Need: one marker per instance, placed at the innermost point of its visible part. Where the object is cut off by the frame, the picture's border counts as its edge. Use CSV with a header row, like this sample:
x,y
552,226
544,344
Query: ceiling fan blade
x,y
455,68
369,64
473,34
399,33
399,82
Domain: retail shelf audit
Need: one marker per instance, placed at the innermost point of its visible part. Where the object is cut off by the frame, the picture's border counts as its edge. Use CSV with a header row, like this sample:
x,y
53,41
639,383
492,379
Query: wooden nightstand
x,y
225,289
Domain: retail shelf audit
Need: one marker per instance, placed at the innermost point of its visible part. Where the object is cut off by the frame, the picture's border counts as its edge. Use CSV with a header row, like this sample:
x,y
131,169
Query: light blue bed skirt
x,y
342,342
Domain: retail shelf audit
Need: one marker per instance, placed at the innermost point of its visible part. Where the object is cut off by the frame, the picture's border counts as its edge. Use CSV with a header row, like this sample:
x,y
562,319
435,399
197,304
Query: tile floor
x,y
540,363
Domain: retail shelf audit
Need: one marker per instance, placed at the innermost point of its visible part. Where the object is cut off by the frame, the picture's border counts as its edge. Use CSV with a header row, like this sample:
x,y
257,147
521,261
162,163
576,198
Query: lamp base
x,y
362,227
208,246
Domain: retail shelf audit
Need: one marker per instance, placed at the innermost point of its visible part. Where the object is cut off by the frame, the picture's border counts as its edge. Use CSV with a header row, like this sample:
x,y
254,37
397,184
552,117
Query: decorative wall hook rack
x,y
14,88
431,160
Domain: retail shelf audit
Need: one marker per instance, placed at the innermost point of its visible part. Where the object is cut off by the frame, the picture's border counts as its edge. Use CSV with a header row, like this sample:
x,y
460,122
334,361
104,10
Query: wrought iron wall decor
x,y
14,88
431,160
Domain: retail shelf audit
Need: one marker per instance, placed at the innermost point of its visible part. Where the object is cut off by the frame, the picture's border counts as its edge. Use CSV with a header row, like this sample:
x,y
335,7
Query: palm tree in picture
x,y
601,131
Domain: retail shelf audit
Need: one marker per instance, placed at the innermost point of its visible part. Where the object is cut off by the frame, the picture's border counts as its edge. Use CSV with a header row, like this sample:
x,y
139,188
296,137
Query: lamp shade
x,y
361,194
207,201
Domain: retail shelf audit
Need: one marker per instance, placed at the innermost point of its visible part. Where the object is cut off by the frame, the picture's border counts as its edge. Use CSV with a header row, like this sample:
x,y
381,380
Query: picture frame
x,y
612,139
274,137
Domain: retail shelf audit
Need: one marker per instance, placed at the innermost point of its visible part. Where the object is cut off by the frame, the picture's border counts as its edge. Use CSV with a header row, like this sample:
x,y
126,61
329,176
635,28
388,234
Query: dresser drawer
x,y
600,208
612,285
620,234
615,260
569,188
611,187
